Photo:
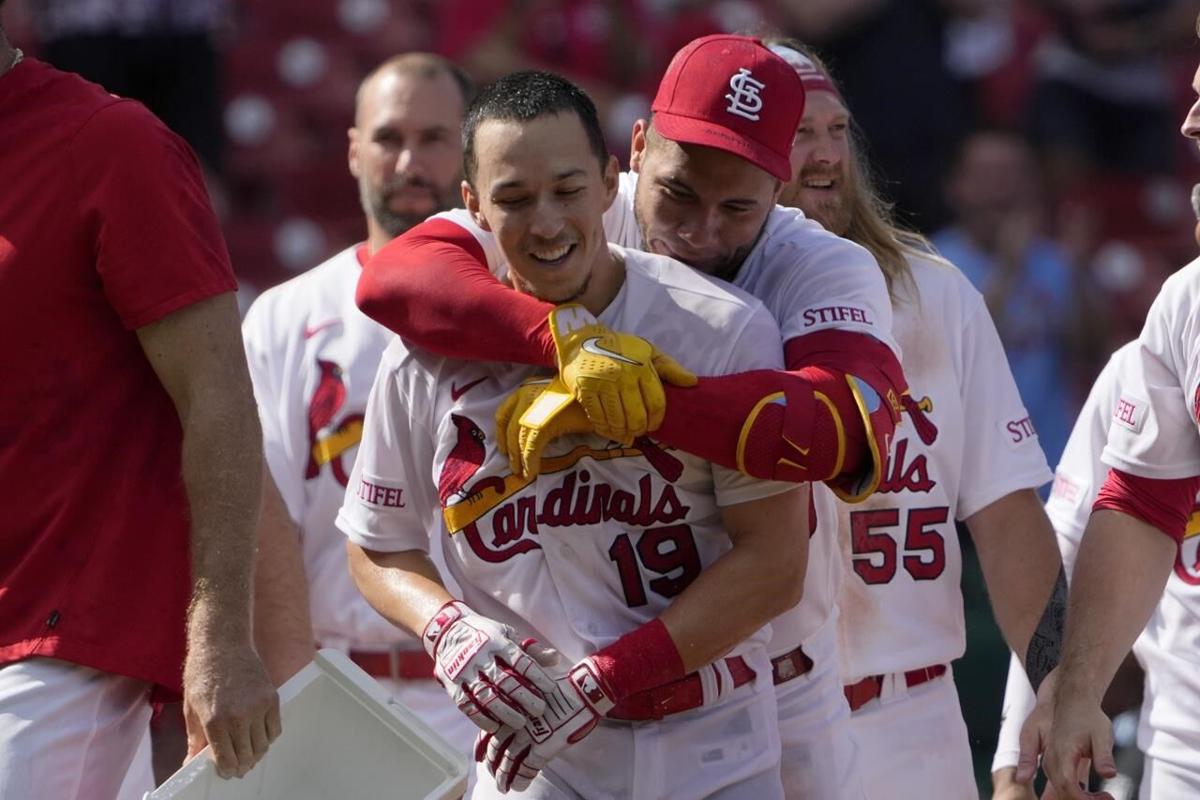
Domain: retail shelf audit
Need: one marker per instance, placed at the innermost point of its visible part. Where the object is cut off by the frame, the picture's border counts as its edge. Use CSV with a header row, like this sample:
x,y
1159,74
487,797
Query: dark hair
x,y
524,96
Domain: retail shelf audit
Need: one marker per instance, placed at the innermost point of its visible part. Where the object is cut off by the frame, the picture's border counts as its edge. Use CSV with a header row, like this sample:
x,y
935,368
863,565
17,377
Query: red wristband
x,y
642,659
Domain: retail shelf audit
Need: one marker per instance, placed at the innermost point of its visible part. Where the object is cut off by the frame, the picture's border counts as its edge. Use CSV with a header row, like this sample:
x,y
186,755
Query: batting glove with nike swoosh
x,y
491,678
534,414
515,756
616,377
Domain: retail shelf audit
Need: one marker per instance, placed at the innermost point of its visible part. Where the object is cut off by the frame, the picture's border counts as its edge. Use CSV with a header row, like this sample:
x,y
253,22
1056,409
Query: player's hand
x,y
492,679
616,377
534,414
228,703
1081,732
1005,786
515,756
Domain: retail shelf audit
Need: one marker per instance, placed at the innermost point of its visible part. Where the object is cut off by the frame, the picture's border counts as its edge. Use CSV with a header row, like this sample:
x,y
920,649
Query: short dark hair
x,y
524,96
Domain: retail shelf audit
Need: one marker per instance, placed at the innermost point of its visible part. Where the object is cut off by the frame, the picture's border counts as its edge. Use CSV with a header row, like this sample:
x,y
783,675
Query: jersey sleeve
x,y
1153,432
840,288
158,245
1002,455
281,447
434,286
390,499
1080,472
757,347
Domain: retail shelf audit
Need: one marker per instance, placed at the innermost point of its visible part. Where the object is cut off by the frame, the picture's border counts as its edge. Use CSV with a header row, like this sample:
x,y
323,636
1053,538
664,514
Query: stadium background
x,y
1094,89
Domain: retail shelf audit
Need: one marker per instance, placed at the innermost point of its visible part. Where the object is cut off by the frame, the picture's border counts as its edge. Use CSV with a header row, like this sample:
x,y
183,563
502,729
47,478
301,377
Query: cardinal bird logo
x,y
465,459
917,411
326,402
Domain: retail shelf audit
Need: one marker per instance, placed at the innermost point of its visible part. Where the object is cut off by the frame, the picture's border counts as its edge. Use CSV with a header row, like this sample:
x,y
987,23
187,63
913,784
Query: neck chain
x,y
16,59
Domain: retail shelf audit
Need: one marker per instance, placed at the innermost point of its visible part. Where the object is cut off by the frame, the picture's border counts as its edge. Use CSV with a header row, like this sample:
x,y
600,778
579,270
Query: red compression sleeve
x,y
432,286
1163,504
811,423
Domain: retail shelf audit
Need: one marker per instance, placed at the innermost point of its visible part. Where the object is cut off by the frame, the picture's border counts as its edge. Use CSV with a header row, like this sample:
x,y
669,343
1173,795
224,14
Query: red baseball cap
x,y
732,93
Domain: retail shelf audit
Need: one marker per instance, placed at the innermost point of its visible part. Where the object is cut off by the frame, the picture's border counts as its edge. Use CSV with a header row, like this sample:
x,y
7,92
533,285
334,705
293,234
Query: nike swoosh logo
x,y
594,347
312,330
456,392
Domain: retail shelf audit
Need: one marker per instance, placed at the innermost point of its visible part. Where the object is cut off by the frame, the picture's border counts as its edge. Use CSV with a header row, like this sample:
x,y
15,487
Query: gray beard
x,y
393,223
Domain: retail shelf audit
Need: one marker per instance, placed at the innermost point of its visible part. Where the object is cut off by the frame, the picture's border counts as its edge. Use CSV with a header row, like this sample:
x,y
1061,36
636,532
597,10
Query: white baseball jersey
x,y
1154,433
968,444
607,535
810,280
313,356
1169,648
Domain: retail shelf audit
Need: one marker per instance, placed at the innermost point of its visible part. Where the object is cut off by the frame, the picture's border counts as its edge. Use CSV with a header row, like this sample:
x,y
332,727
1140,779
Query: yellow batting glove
x,y
616,377
533,415
553,413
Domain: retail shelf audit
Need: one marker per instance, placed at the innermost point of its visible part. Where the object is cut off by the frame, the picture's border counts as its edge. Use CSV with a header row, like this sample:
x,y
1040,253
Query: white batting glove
x,y
488,676
515,756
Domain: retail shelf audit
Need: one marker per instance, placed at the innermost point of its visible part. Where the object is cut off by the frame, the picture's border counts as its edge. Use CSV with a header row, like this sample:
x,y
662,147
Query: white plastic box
x,y
344,738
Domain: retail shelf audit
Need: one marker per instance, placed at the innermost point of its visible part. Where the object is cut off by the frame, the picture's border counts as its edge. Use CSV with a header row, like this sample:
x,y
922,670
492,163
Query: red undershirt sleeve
x,y
1164,504
830,417
432,286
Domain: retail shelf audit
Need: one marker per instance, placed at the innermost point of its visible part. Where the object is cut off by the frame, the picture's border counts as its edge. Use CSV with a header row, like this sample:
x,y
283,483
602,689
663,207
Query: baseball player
x,y
130,463
703,188
1133,540
1166,732
626,559
313,357
968,453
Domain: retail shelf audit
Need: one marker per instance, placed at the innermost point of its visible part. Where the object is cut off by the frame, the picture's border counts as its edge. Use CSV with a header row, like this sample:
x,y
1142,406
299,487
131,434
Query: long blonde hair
x,y
872,224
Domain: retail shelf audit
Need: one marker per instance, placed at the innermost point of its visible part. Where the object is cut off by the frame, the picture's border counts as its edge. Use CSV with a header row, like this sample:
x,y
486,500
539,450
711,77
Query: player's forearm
x,y
732,421
283,631
405,587
222,473
432,287
1018,552
761,577
802,424
1119,577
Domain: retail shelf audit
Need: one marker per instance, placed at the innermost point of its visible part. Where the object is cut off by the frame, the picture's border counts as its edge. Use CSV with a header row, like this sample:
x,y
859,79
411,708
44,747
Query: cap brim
x,y
690,130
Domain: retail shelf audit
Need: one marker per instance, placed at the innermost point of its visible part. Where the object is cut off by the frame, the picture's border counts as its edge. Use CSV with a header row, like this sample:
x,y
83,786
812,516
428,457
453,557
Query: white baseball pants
x,y
67,732
912,743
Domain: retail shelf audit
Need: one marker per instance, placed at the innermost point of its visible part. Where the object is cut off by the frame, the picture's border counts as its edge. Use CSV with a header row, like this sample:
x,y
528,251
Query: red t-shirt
x,y
105,226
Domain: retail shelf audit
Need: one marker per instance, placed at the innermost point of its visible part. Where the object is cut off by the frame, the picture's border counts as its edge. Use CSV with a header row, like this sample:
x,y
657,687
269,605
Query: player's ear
x,y
778,190
471,204
611,178
352,155
637,145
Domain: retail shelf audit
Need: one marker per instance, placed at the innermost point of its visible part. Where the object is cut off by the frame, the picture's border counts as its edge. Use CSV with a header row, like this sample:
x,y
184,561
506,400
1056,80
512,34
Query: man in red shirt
x,y
130,460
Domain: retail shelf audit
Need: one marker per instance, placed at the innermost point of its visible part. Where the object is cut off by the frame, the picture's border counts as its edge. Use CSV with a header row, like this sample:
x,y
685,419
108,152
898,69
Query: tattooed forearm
x,y
1045,647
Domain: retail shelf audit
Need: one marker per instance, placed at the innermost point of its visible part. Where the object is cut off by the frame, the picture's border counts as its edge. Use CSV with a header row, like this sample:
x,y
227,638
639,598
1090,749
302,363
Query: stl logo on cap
x,y
715,94
745,101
